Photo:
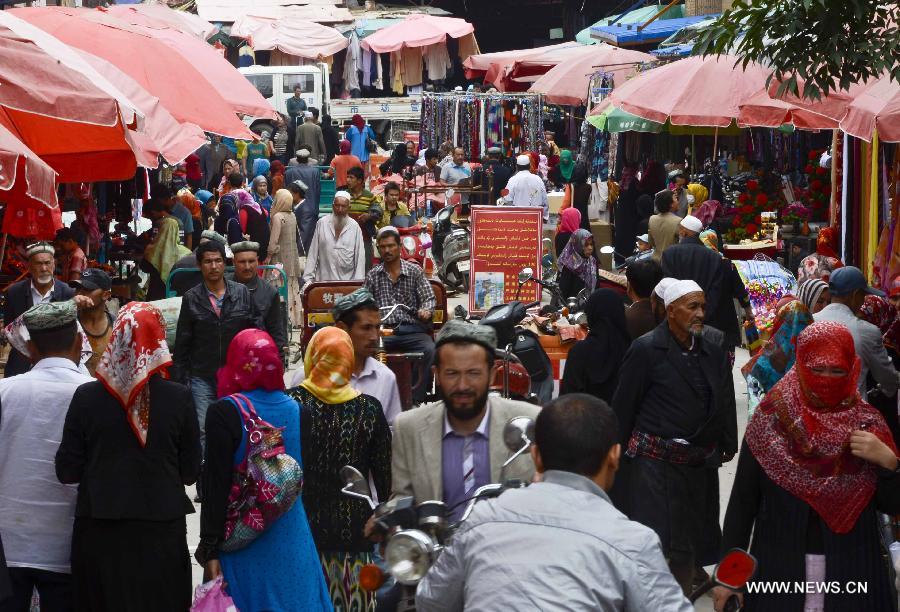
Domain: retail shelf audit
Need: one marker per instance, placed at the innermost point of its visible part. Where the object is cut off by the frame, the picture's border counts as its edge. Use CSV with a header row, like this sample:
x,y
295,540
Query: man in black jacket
x,y
266,298
212,314
677,420
690,259
39,288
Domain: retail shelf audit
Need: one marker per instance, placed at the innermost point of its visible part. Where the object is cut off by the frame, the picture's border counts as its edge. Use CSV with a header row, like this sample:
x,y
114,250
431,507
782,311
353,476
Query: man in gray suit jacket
x,y
447,449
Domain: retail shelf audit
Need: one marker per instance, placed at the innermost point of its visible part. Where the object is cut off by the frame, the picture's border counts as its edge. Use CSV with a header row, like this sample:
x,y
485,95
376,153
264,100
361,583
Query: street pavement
x,y
726,473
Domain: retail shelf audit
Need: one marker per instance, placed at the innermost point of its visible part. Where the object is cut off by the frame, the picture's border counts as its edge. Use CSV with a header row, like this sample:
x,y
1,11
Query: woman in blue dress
x,y
360,134
279,571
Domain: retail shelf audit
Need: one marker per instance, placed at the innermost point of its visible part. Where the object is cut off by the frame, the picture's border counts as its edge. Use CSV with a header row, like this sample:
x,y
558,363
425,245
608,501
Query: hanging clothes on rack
x,y
351,64
437,61
412,65
397,73
367,63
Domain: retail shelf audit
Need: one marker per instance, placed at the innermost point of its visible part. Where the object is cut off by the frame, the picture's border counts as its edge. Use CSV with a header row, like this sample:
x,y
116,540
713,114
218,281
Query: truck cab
x,y
276,84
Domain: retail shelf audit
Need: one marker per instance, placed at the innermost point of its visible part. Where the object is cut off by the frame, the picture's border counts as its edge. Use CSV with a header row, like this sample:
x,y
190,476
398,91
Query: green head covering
x,y
566,165
352,301
51,315
456,330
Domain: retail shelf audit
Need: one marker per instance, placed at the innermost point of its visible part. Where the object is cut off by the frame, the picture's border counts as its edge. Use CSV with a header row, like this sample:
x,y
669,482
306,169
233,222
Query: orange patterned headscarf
x,y
329,363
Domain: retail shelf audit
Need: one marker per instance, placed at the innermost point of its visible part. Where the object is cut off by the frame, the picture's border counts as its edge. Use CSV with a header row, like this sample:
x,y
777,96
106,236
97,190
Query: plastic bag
x,y
211,597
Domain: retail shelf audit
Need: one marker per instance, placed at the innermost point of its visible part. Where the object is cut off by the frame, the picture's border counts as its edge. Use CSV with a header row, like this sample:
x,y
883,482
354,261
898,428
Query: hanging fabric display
x,y
476,122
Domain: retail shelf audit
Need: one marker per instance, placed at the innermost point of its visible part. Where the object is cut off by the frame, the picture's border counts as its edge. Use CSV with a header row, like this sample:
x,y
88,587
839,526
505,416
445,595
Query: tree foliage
x,y
818,46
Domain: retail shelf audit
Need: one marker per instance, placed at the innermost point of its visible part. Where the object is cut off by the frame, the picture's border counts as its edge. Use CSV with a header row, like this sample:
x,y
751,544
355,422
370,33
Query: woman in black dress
x,y
132,444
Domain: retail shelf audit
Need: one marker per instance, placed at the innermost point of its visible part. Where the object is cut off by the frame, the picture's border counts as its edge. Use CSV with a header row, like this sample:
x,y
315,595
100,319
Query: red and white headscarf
x,y
800,432
136,351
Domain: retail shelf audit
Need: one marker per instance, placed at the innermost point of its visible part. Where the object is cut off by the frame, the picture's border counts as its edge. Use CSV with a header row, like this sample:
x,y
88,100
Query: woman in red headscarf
x,y
132,444
362,138
279,570
816,464
277,172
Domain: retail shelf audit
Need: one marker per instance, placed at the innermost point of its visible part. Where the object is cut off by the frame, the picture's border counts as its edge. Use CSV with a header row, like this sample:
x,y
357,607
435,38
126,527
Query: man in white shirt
x,y
526,189
358,315
848,289
337,251
36,511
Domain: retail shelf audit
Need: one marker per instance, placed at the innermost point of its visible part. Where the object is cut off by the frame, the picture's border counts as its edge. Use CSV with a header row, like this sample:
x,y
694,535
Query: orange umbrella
x,y
179,84
567,82
28,189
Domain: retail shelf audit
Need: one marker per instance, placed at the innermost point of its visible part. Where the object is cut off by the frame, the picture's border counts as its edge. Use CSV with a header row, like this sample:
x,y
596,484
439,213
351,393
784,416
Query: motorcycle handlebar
x,y
532,304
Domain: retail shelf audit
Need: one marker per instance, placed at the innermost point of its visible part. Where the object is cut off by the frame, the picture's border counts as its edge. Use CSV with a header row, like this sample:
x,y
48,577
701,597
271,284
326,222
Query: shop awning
x,y
638,16
319,11
293,36
625,35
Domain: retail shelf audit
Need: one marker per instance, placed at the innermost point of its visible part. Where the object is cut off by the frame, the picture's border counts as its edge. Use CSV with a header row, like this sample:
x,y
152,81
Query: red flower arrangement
x,y
762,199
818,191
748,220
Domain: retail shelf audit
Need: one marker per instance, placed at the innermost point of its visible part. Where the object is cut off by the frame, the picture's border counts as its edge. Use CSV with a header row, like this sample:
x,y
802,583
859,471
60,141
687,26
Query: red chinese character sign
x,y
504,240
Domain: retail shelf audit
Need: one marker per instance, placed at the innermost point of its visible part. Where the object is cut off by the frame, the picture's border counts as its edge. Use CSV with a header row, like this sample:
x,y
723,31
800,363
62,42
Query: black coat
x,y
691,260
502,174
202,337
117,478
18,300
657,395
780,522
271,311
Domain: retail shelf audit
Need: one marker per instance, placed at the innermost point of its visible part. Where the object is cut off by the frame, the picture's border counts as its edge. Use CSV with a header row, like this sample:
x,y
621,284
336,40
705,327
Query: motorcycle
x,y
415,534
414,242
450,250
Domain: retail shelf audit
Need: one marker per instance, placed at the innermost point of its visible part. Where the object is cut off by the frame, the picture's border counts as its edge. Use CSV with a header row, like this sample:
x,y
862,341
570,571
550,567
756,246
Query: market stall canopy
x,y
38,178
159,15
695,91
567,82
495,67
637,16
417,31
24,216
629,35
228,11
293,36
179,83
875,106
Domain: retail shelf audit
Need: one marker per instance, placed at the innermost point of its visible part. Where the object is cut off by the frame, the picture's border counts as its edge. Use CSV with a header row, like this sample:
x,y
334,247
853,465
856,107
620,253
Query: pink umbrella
x,y
160,15
417,31
875,105
293,36
695,91
494,66
567,82
763,111
178,83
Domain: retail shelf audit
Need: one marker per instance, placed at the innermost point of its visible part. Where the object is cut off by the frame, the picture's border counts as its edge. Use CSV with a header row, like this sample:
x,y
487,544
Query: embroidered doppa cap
x,y
662,285
352,301
644,238
523,160
692,223
244,246
343,194
456,330
213,235
494,150
303,153
301,185
39,247
679,289
50,315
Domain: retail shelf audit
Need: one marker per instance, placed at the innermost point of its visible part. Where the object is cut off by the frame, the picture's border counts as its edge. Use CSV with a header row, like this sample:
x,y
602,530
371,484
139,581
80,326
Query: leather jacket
x,y
202,337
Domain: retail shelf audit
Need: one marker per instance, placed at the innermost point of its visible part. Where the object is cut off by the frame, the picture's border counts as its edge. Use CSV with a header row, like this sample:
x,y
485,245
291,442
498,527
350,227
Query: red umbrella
x,y
28,189
567,82
417,31
695,91
179,84
160,15
494,67
761,110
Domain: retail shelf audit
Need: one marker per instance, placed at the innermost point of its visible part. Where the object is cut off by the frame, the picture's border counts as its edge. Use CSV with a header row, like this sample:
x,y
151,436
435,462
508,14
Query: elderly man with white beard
x,y
337,251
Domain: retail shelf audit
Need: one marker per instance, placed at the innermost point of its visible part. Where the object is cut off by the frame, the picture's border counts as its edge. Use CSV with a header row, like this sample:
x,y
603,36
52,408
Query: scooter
x,y
414,242
450,250
415,534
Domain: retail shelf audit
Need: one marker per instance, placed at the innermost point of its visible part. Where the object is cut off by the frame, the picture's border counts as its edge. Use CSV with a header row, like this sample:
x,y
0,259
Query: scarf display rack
x,y
476,121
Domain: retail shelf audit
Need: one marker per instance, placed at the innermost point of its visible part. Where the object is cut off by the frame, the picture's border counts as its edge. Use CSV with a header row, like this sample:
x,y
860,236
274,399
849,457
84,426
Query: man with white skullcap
x,y
691,259
336,251
526,188
677,420
39,288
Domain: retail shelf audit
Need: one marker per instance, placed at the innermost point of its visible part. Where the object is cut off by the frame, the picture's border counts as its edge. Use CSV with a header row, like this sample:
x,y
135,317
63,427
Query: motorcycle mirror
x,y
735,569
356,485
525,275
607,250
518,433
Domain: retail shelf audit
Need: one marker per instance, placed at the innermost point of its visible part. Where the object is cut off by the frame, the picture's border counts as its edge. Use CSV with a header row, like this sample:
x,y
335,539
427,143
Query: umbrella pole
x,y
715,144
3,248
693,155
